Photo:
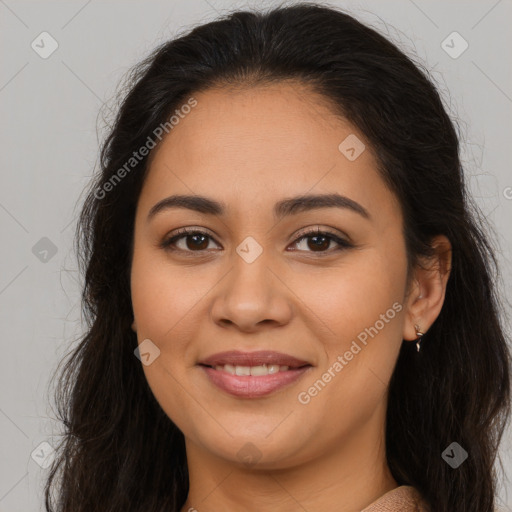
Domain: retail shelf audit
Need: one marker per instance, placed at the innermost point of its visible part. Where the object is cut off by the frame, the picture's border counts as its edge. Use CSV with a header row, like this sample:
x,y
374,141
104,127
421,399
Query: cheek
x,y
163,299
166,302
346,300
163,295
358,317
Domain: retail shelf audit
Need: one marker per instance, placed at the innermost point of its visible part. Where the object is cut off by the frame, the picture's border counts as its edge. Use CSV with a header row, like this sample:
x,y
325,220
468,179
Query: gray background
x,y
50,130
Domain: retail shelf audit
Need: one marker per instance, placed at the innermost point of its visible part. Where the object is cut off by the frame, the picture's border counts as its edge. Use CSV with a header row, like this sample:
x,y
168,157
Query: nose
x,y
252,297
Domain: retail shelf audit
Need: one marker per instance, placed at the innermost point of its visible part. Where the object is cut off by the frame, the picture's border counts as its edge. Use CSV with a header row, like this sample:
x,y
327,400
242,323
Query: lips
x,y
253,374
239,358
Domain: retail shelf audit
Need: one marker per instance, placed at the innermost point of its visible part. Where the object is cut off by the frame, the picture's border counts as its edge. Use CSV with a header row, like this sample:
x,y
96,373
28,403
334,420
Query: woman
x,y
281,235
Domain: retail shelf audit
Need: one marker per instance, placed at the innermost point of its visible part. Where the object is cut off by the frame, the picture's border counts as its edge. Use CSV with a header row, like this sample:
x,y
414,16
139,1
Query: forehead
x,y
262,141
287,119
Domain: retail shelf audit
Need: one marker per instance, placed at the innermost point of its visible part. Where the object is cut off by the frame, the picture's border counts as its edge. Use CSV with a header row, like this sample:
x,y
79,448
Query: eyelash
x,y
167,244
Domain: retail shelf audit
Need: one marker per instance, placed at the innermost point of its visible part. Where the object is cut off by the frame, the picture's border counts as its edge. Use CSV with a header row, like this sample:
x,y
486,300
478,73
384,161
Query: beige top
x,y
401,499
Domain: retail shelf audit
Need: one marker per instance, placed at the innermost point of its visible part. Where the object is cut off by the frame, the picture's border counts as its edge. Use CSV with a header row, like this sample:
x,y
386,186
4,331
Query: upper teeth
x,y
252,370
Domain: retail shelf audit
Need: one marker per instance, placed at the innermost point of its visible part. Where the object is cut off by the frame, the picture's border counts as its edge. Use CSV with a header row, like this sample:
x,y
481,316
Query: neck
x,y
346,479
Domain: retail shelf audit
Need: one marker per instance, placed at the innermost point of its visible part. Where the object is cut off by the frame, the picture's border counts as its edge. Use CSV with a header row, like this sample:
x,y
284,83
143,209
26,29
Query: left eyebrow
x,y
304,203
282,208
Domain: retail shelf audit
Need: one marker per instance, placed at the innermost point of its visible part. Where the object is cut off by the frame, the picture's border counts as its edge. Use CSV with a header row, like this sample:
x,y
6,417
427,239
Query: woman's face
x,y
253,281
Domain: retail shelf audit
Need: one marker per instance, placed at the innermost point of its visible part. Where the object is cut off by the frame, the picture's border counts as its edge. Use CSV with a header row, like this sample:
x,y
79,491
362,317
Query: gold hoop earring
x,y
420,336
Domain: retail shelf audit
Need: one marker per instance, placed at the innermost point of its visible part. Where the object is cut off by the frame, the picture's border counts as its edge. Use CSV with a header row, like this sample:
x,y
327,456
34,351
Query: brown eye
x,y
320,241
195,241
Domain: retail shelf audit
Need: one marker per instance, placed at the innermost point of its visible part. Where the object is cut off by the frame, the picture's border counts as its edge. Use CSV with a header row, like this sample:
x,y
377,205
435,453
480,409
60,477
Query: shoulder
x,y
404,498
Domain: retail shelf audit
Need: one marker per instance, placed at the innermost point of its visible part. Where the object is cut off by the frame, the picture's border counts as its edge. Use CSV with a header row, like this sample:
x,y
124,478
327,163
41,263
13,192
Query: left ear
x,y
427,292
134,326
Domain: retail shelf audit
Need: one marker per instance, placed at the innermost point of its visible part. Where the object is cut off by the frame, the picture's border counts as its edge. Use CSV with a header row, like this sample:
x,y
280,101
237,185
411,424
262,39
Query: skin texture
x,y
250,148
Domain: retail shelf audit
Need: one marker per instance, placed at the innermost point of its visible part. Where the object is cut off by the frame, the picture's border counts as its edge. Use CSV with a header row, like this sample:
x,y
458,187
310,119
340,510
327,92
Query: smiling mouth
x,y
250,382
254,371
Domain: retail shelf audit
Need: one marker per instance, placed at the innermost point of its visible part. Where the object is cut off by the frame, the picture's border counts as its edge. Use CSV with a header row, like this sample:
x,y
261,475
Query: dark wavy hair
x,y
119,450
